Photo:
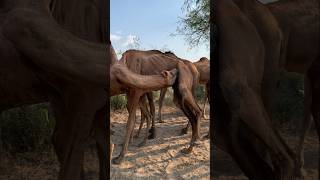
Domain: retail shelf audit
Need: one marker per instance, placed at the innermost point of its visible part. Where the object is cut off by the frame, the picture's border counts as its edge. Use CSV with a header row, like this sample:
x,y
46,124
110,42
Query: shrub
x,y
118,102
290,99
26,129
201,93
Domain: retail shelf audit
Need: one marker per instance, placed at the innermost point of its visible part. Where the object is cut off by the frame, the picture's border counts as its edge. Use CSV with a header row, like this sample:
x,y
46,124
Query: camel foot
x,y
206,117
187,150
300,173
152,134
117,160
136,136
184,131
142,144
206,137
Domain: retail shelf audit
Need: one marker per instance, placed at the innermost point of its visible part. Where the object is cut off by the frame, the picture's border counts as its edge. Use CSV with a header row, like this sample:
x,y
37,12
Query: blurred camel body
x,y
243,94
68,72
283,11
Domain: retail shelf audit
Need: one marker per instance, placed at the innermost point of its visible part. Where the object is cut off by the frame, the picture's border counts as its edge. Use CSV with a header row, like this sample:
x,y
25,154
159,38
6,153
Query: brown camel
x,y
242,108
306,57
203,66
154,62
68,72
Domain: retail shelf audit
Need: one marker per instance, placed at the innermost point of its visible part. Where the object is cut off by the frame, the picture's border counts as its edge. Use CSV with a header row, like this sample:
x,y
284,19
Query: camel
x,y
282,10
154,62
203,66
67,80
242,108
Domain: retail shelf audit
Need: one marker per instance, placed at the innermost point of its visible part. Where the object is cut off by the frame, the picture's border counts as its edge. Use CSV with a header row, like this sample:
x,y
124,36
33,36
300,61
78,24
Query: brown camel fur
x,y
242,108
301,59
154,62
76,93
203,66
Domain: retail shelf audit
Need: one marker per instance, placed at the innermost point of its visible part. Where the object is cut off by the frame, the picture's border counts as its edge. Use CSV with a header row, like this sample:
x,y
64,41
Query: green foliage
x,y
201,93
26,129
118,102
195,26
289,101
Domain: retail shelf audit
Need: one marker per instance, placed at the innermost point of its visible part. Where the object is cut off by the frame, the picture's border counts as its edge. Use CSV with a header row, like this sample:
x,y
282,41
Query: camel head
x,y
170,76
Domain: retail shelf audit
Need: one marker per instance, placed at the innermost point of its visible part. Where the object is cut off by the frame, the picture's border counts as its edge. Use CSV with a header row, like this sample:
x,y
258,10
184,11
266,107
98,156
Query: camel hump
x,y
203,59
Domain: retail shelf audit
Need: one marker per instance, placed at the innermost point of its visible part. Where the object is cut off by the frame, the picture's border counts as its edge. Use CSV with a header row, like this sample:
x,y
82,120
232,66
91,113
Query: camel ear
x,y
165,73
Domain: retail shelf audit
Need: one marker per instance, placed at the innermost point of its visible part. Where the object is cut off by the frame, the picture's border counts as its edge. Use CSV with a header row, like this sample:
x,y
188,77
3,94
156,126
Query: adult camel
x,y
242,120
284,11
74,83
203,66
154,62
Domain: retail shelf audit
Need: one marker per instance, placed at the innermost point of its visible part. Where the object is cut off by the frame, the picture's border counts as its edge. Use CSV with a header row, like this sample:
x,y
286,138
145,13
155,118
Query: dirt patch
x,y
161,158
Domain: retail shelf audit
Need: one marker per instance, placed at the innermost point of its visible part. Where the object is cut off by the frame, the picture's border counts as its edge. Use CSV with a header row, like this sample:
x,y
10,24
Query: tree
x,y
195,25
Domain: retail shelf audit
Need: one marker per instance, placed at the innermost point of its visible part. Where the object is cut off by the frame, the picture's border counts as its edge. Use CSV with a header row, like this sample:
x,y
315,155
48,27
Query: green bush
x,y
26,129
118,102
201,93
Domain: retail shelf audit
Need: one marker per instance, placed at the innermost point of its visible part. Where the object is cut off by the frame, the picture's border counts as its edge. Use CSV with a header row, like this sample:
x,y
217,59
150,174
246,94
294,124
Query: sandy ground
x,y
161,158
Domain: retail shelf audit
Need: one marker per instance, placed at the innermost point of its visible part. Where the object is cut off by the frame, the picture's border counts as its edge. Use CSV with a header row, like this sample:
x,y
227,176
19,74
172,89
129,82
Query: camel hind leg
x,y
163,92
246,105
144,113
152,116
193,113
315,105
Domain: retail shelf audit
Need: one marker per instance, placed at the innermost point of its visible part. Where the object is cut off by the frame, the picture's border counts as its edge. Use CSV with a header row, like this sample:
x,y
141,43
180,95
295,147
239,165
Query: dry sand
x,y
161,158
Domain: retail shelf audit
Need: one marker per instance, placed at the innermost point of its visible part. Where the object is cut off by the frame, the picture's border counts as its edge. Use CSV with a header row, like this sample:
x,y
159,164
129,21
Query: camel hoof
x,y
142,144
136,136
152,134
117,160
205,137
300,173
184,131
206,117
186,150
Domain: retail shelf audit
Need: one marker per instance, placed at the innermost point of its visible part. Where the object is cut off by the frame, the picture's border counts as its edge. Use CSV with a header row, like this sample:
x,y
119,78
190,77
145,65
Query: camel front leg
x,y
74,120
102,136
133,102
